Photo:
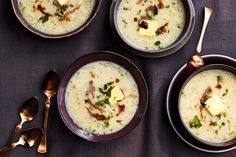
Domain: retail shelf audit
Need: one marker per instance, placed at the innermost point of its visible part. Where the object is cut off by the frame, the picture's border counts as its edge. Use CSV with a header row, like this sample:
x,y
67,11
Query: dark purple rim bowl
x,y
181,41
53,36
117,59
172,105
205,68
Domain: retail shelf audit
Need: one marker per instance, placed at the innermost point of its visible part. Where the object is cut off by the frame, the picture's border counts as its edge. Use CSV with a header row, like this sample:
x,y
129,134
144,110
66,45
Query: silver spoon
x,y
196,60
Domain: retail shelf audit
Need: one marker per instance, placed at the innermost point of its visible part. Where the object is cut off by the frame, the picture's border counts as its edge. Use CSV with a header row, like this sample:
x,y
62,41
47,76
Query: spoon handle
x,y
7,148
14,132
207,16
43,144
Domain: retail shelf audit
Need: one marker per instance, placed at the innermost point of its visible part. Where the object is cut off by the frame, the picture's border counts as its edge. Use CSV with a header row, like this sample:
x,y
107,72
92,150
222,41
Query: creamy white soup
x,y
56,16
151,24
208,106
102,97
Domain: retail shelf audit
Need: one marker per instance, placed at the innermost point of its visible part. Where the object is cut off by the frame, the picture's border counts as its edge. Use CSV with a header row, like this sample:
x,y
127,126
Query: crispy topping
x,y
65,16
160,4
205,96
42,10
121,109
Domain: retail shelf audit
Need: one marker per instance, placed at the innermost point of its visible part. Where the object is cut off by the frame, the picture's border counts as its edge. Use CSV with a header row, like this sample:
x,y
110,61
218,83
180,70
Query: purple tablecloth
x,y
25,58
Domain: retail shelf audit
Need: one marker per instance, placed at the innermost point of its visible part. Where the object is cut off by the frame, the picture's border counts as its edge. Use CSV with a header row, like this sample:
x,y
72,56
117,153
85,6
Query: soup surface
x,y
49,16
208,105
151,24
102,97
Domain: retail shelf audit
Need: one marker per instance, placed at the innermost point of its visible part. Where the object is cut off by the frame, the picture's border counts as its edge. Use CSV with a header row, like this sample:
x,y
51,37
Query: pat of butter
x,y
116,95
151,30
214,105
62,2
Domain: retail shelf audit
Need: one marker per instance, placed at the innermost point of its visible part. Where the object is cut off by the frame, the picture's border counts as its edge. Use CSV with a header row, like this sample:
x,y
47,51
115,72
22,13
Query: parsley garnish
x,y
125,8
225,93
44,18
195,123
219,79
158,43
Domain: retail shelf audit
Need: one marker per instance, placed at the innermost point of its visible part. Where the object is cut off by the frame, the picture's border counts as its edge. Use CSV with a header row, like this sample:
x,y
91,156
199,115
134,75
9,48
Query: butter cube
x,y
116,95
151,30
62,2
214,105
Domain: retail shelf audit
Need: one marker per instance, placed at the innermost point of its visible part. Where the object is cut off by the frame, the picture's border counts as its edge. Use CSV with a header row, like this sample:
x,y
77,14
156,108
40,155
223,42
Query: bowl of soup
x,y
207,105
100,99
152,28
55,18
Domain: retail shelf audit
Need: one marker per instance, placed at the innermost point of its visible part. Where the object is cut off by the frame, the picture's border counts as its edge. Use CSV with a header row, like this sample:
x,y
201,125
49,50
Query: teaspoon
x,y
49,87
27,112
196,60
27,138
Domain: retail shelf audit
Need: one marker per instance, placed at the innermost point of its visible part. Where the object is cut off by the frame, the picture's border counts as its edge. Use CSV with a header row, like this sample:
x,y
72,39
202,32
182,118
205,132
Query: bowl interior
x,y
207,67
103,56
180,41
53,36
172,105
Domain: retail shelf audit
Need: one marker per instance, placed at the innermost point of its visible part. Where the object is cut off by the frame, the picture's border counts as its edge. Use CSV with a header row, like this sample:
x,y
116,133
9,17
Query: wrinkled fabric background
x,y
25,58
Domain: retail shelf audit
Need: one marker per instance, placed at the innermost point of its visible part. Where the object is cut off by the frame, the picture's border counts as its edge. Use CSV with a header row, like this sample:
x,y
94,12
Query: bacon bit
x,y
201,113
91,88
205,96
135,19
163,28
42,10
97,108
218,86
139,1
160,4
99,117
117,80
65,16
121,109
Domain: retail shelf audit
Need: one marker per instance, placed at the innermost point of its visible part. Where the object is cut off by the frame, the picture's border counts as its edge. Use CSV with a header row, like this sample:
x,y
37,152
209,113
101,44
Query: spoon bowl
x,y
196,60
27,138
27,112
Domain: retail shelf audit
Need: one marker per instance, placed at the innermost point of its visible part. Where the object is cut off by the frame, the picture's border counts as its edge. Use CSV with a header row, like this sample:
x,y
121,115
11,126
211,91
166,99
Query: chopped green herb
x,y
168,6
106,124
118,121
71,5
102,102
125,22
224,114
86,101
179,26
231,132
152,12
59,13
158,43
139,12
219,79
158,32
219,116
155,10
223,123
125,8
225,93
213,123
195,123
44,18
173,3
216,131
